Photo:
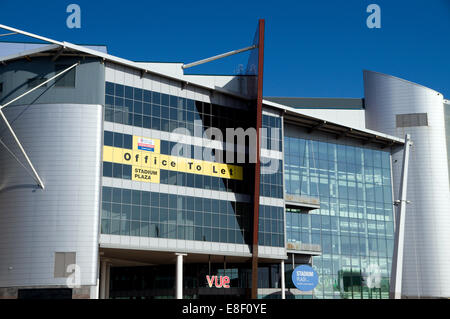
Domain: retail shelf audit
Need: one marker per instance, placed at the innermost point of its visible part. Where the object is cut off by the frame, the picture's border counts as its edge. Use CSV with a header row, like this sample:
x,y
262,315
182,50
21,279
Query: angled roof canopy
x,y
68,47
295,116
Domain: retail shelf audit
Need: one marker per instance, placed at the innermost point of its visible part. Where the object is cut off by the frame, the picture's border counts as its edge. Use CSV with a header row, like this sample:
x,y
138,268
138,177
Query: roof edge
x,y
122,61
403,80
286,108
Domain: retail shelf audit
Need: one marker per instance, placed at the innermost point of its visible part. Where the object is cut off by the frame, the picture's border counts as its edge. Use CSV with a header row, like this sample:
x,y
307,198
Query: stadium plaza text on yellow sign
x,y
147,161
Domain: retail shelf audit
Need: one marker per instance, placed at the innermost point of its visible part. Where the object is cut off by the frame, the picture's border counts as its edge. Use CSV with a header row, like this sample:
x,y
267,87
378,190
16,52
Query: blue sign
x,y
305,278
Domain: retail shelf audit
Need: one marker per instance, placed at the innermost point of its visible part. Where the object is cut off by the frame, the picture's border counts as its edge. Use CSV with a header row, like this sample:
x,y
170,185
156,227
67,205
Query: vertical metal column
x,y
107,279
283,285
95,290
397,264
179,276
209,265
103,279
254,291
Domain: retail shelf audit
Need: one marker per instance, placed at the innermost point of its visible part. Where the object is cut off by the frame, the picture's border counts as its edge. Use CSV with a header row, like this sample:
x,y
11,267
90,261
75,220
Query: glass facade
x,y
123,171
151,214
271,168
272,138
157,282
163,112
271,218
271,226
156,214
354,225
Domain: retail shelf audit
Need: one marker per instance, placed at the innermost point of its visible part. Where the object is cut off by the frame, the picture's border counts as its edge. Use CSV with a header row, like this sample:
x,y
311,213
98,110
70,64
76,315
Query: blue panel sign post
x,y
305,278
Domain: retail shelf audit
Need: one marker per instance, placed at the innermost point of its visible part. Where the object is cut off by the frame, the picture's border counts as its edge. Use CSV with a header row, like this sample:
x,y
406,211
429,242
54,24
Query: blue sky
x,y
313,48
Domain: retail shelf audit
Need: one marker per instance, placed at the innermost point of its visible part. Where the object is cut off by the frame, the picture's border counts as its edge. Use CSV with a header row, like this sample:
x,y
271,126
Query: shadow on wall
x,y
12,149
5,189
242,84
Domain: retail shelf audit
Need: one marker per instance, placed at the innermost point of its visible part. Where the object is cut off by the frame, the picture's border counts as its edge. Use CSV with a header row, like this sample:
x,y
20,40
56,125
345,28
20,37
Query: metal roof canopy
x,y
319,102
340,131
77,49
294,116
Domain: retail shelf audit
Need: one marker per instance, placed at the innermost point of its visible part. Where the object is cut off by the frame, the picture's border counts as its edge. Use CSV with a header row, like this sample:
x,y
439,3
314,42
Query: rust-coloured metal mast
x,y
259,98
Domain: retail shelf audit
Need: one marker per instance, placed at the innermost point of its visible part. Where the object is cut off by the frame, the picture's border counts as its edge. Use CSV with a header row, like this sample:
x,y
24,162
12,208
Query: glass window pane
x,y
108,138
107,169
128,141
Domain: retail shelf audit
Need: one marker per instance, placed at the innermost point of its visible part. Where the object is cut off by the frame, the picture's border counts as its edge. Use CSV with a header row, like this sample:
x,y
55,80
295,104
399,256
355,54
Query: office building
x,y
113,185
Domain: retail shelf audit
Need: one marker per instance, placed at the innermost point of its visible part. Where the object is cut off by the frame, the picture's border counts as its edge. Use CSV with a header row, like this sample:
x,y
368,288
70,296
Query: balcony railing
x,y
302,201
310,249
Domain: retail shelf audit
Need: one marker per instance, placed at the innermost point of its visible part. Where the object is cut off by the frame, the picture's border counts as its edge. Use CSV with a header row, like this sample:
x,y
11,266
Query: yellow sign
x,y
146,162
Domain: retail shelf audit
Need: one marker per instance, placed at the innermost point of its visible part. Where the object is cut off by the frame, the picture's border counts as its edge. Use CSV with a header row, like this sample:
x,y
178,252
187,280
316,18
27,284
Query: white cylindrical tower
x,y
398,107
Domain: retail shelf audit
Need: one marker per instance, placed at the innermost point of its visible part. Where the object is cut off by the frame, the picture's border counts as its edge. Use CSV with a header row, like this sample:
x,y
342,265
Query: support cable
x,y
16,158
8,125
6,34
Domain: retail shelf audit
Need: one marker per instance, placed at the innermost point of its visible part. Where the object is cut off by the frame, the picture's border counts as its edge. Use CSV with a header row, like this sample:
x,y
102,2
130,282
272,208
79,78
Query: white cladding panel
x,y
427,235
64,143
350,118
